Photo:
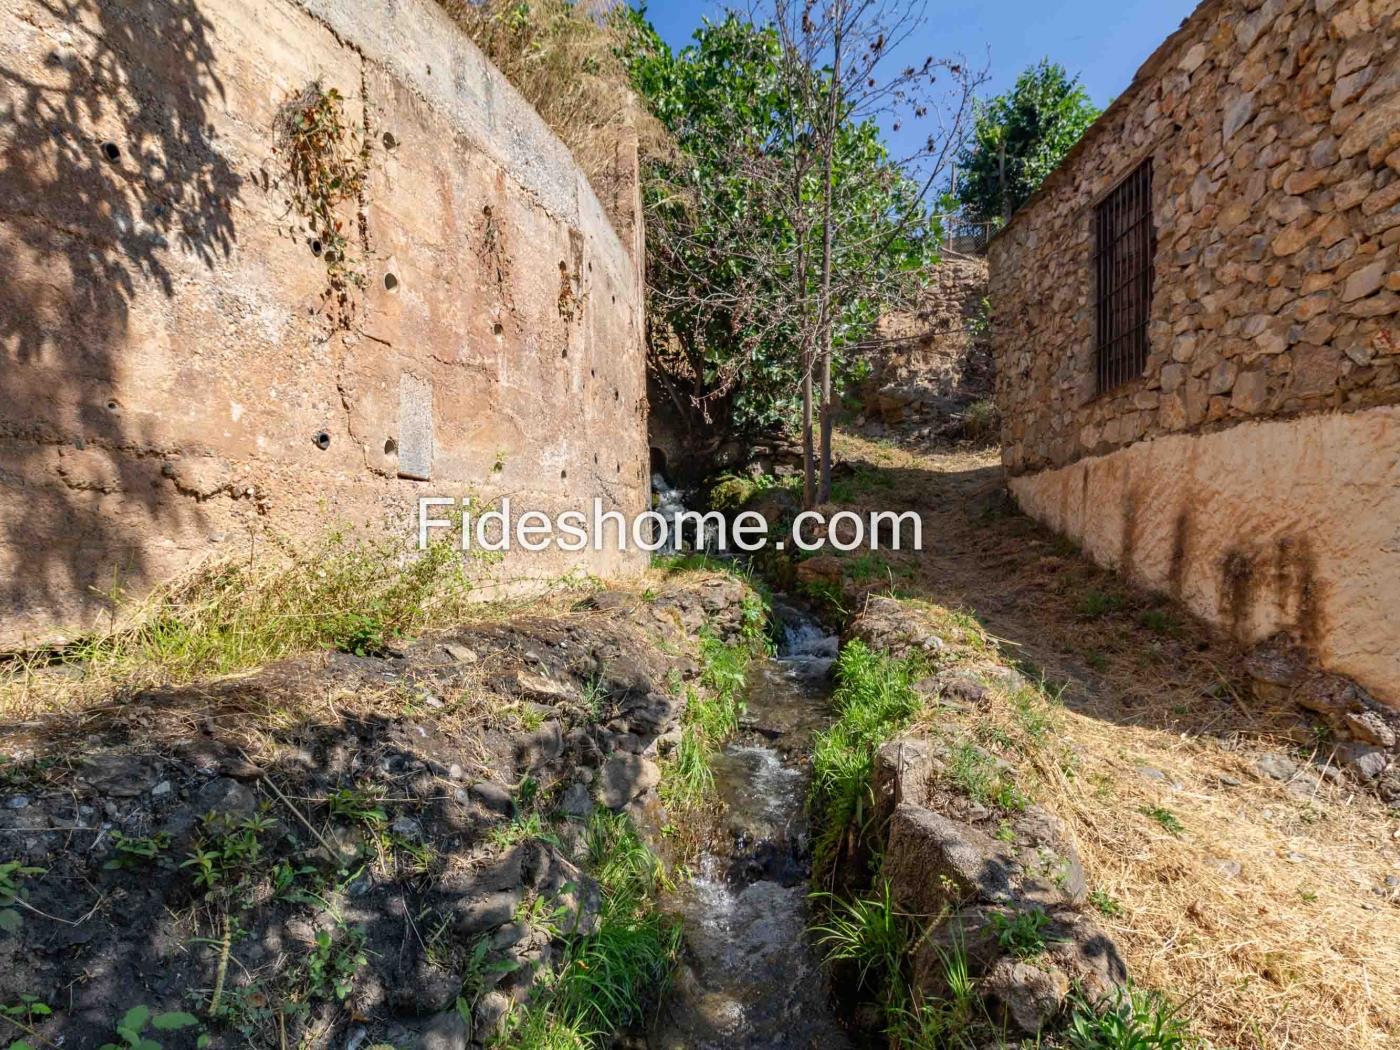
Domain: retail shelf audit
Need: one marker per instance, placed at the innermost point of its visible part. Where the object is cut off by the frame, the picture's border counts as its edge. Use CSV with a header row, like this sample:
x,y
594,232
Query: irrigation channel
x,y
748,976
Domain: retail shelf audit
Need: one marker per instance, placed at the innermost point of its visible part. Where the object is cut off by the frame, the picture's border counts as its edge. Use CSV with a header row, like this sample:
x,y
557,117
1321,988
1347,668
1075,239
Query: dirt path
x,y
1238,869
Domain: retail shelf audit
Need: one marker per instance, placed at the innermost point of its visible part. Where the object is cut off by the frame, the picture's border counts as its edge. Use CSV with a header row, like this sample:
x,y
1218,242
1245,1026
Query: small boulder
x,y
1028,997
625,777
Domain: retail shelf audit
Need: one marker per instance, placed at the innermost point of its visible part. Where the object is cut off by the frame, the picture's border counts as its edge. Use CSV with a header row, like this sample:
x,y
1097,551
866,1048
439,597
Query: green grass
x,y
350,591
1166,818
611,978
1094,604
983,780
866,932
874,700
711,717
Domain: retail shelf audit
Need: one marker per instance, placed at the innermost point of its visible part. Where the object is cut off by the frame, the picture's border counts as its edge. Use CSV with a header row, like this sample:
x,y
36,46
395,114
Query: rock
x,y
429,990
406,827
1231,869
1276,765
1369,727
1367,761
162,789
493,796
490,1013
120,776
625,777
932,861
226,796
17,802
539,748
460,653
576,801
447,1031
485,913
1028,996
821,568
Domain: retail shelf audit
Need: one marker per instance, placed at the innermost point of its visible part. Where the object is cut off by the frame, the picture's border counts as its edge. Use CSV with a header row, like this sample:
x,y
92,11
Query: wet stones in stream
x,y
748,975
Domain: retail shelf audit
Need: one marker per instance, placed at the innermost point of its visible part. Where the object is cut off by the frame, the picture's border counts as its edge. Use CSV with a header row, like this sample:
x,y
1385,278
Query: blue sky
x,y
1104,41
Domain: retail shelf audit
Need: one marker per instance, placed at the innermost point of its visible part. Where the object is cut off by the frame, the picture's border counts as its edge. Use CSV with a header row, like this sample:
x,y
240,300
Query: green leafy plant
x,y
131,1029
357,806
361,634
227,852
136,851
12,892
1022,933
1019,138
24,1015
1105,902
333,963
1134,1019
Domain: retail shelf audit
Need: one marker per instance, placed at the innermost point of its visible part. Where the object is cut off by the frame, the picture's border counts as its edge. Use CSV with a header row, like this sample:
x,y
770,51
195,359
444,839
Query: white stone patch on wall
x,y
415,427
1270,525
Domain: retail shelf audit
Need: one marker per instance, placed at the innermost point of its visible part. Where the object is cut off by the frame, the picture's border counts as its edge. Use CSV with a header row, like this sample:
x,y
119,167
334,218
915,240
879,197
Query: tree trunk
x,y
827,320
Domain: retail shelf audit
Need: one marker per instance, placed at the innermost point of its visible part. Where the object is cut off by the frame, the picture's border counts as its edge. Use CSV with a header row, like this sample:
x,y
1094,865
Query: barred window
x,y
1125,241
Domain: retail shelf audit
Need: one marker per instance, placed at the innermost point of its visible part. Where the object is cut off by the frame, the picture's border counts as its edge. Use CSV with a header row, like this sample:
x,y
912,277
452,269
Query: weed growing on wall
x,y
327,162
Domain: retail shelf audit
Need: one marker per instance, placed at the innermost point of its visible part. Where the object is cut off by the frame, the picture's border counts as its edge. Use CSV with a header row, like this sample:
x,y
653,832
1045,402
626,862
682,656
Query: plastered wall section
x,y
172,384
1272,525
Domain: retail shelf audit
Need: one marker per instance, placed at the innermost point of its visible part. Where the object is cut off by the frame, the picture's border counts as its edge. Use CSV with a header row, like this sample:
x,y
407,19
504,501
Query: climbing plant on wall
x,y
327,159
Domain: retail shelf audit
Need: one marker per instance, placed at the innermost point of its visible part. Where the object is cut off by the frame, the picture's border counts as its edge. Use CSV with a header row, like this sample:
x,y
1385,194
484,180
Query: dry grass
x,y
355,592
1300,948
563,57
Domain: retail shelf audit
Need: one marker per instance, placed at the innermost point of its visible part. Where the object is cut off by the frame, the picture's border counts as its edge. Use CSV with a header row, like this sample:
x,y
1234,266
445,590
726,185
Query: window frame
x,y
1124,235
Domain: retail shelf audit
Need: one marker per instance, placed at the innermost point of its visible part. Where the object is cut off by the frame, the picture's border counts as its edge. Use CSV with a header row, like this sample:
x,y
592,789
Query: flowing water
x,y
748,976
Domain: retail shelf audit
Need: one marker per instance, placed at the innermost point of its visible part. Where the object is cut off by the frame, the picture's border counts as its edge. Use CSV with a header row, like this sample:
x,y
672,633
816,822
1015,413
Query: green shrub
x,y
1134,1019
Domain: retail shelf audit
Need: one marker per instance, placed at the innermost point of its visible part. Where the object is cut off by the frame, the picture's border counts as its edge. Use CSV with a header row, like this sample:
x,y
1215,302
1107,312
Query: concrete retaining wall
x,y
171,367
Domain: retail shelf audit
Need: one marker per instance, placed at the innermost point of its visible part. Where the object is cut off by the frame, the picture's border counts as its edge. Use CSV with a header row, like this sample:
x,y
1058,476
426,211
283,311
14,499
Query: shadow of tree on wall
x,y
108,175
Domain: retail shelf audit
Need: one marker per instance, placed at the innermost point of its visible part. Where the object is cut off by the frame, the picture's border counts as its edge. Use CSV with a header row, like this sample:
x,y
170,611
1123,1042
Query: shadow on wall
x,y
107,170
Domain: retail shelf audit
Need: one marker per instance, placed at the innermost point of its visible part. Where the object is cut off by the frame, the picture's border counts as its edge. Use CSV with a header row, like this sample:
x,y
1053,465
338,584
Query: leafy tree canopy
x,y
1020,137
731,213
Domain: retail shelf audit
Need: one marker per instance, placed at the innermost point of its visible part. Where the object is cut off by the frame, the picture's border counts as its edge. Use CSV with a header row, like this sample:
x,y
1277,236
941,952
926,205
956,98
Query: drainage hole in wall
x,y
112,406
322,440
331,255
563,474
390,142
615,394
619,468
564,352
316,246
391,283
390,446
111,151
498,328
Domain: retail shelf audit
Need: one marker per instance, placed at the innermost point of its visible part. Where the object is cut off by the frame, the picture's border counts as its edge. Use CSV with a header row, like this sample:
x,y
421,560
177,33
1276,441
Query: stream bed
x,y
748,976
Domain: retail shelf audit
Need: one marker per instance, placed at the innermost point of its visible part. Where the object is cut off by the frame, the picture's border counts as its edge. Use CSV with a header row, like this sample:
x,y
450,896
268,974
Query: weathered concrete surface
x,y
168,361
1283,524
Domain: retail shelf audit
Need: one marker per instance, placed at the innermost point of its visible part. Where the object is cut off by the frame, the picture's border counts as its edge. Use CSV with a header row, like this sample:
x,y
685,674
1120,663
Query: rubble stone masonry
x,y
1253,468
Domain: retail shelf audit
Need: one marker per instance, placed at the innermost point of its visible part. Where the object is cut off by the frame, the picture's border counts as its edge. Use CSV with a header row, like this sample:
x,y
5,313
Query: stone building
x,y
1196,334
176,377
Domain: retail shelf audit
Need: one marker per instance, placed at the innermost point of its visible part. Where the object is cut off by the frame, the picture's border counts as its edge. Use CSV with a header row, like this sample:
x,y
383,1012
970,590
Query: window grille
x,y
1125,241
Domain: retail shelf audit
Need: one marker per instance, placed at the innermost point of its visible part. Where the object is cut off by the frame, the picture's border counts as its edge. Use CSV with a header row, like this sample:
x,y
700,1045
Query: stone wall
x,y
176,382
930,363
1250,471
1274,133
